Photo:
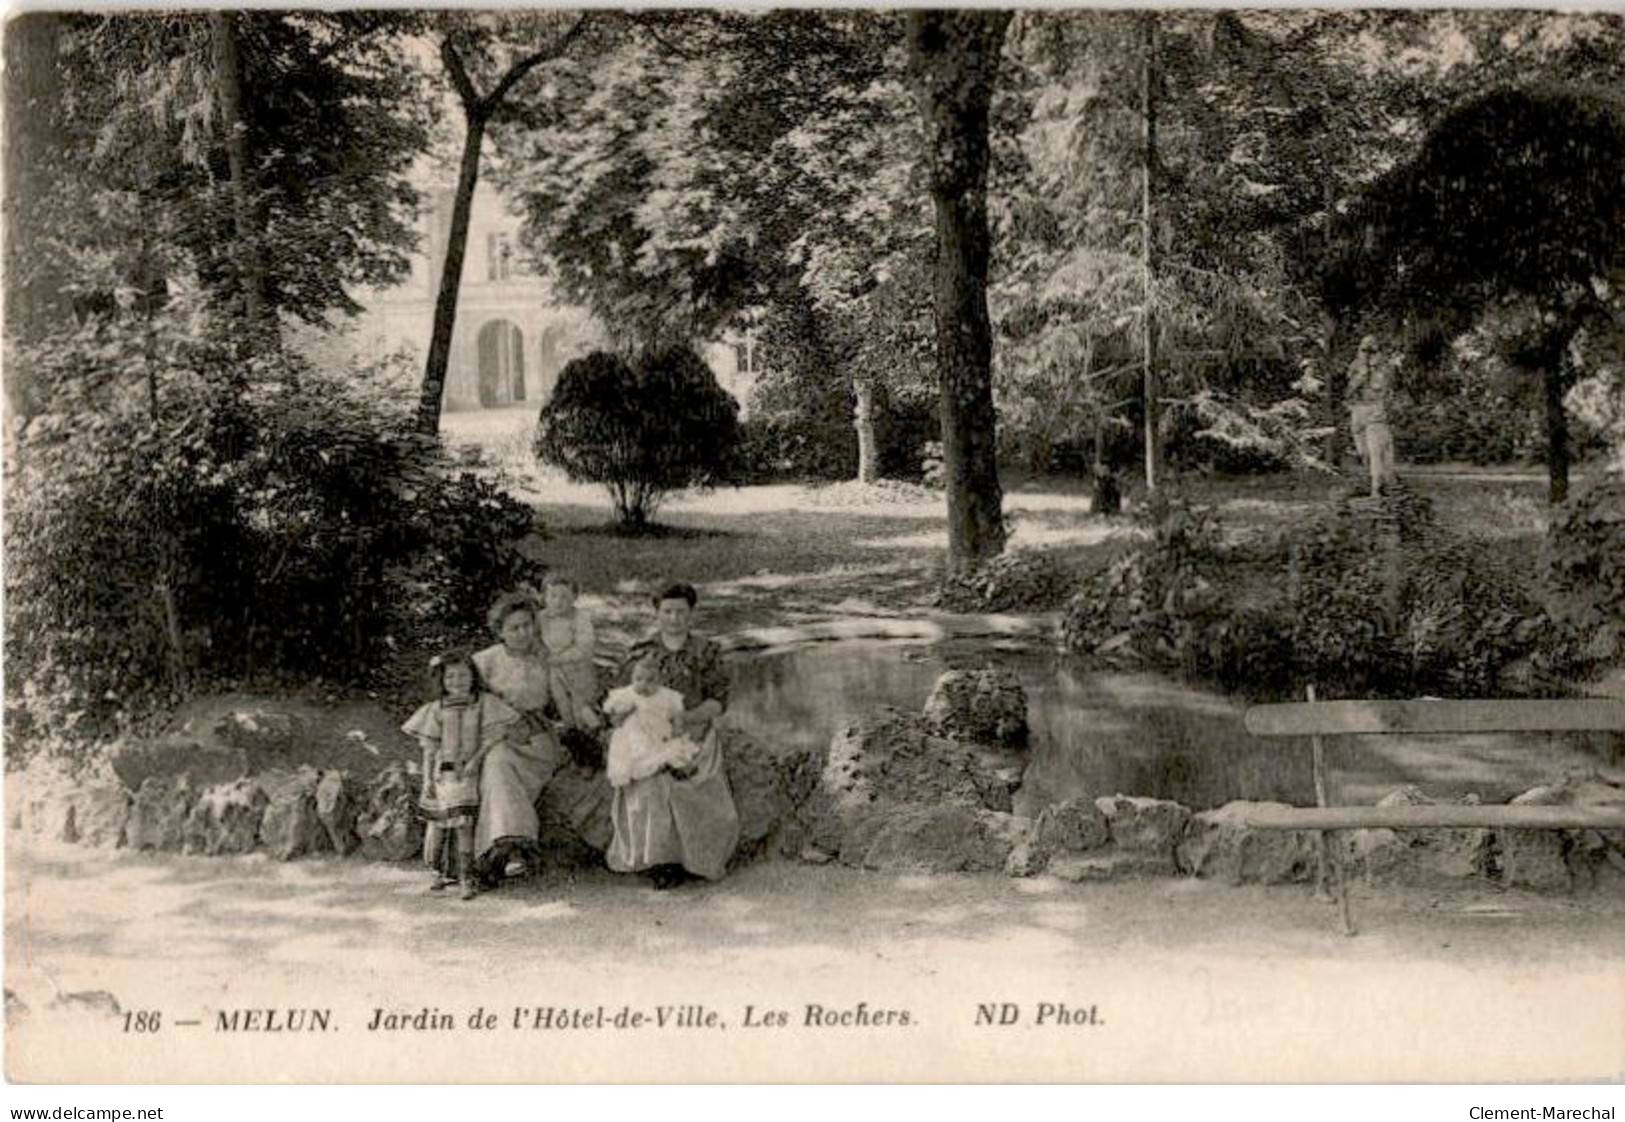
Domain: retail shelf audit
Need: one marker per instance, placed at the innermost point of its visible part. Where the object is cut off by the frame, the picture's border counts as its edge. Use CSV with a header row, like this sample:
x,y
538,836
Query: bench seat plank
x,y
1426,817
1344,718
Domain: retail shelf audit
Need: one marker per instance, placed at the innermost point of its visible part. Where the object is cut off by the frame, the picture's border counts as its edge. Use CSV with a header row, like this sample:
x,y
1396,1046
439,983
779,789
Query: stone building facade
x,y
512,335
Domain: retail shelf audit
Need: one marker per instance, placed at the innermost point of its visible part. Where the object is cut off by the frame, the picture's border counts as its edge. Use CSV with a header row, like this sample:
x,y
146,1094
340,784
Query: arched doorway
x,y
548,376
502,363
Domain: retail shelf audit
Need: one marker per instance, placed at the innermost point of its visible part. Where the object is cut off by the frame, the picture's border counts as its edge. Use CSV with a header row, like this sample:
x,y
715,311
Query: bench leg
x,y
1342,871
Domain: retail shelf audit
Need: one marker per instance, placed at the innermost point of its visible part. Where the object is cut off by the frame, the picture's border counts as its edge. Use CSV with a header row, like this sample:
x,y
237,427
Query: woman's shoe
x,y
668,877
441,884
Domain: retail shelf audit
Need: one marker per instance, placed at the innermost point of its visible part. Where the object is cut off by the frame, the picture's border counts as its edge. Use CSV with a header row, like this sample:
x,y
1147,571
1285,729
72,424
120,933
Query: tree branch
x,y
643,21
517,72
453,62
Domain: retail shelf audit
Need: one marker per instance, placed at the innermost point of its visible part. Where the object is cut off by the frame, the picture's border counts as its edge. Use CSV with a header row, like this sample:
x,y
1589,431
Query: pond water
x,y
1102,733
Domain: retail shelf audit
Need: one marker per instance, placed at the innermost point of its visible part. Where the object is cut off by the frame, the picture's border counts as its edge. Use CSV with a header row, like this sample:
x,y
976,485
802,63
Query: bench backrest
x,y
1345,718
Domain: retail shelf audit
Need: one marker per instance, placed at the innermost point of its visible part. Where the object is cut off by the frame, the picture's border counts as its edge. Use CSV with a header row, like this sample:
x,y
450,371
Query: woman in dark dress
x,y
671,825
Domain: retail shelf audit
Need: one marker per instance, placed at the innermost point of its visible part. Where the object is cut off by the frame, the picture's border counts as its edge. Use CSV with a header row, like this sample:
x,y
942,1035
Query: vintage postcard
x,y
823,545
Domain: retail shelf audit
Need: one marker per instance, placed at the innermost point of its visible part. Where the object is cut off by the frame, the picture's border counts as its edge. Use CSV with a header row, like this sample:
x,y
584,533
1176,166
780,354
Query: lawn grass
x,y
765,555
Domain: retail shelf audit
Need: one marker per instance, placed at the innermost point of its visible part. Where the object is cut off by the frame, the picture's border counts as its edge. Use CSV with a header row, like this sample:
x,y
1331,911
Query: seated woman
x,y
515,670
667,825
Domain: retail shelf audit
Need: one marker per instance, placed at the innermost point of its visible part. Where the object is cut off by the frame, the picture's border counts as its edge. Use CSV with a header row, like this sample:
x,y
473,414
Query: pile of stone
x,y
934,792
234,782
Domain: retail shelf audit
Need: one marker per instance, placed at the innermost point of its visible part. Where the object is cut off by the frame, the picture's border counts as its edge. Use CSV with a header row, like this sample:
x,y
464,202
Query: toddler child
x,y
567,633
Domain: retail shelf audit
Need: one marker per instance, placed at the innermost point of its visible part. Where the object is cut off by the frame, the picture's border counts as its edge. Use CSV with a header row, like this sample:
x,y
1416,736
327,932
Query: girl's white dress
x,y
452,733
646,741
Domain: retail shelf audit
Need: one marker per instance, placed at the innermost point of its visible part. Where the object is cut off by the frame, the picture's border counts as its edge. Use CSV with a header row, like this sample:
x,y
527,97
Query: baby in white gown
x,y
645,737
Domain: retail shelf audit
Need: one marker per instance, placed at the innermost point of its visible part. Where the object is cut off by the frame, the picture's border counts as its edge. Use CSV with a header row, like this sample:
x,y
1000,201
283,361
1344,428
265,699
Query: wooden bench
x,y
1375,718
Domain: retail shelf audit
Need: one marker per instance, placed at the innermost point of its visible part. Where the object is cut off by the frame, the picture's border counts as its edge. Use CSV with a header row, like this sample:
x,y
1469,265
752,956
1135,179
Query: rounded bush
x,y
644,428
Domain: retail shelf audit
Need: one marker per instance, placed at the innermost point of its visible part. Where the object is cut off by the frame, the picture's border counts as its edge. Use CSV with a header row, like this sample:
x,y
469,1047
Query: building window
x,y
499,257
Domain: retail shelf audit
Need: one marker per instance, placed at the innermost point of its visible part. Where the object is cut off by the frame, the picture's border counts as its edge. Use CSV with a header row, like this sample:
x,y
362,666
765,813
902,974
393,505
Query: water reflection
x,y
1129,733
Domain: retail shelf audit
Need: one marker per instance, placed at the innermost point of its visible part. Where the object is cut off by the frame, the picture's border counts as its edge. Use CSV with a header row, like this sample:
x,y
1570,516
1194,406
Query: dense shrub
x,y
1585,570
644,428
1363,601
803,426
1148,603
1471,421
222,520
1018,580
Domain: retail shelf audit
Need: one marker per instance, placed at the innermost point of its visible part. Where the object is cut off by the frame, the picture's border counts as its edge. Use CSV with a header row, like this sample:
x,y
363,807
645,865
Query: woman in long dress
x,y
666,826
515,669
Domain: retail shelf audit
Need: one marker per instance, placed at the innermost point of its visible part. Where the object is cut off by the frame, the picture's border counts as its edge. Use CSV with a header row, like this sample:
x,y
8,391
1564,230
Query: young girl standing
x,y
567,633
456,730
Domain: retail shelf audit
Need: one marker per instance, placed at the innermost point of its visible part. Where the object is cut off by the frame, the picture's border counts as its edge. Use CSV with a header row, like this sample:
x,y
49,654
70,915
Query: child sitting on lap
x,y
645,741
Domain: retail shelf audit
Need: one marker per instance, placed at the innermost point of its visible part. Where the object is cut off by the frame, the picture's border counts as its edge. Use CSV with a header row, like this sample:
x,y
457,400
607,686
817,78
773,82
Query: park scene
x,y
646,496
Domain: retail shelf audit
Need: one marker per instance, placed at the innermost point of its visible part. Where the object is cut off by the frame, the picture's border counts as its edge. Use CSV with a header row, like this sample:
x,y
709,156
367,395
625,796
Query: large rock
x,y
292,826
769,789
1560,859
226,819
221,738
1060,831
1109,863
337,810
1142,825
934,839
1027,858
49,799
896,757
1219,843
101,813
40,800
889,776
984,706
159,813
1143,835
1418,856
1073,826
388,823
176,756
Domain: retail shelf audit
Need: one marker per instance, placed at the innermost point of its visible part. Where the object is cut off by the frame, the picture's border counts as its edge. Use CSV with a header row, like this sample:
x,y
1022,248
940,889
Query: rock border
x,y
892,792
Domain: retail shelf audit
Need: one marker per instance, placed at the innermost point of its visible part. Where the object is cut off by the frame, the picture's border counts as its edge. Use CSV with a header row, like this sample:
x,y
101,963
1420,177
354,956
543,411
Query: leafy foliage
x,y
331,116
1014,581
1585,569
1517,191
180,521
1360,602
643,428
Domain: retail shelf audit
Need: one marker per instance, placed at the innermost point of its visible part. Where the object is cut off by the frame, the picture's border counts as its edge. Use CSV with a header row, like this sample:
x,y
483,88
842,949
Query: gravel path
x,y
1187,980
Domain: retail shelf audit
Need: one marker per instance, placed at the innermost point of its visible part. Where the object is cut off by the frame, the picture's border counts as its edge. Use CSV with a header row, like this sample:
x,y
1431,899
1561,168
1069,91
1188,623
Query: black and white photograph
x,y
816,545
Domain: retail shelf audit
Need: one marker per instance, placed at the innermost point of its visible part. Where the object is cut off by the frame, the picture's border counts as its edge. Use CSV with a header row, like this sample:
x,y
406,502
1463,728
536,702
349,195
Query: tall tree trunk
x,y
451,278
1557,432
477,112
955,58
1148,164
34,301
248,256
1336,374
863,419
